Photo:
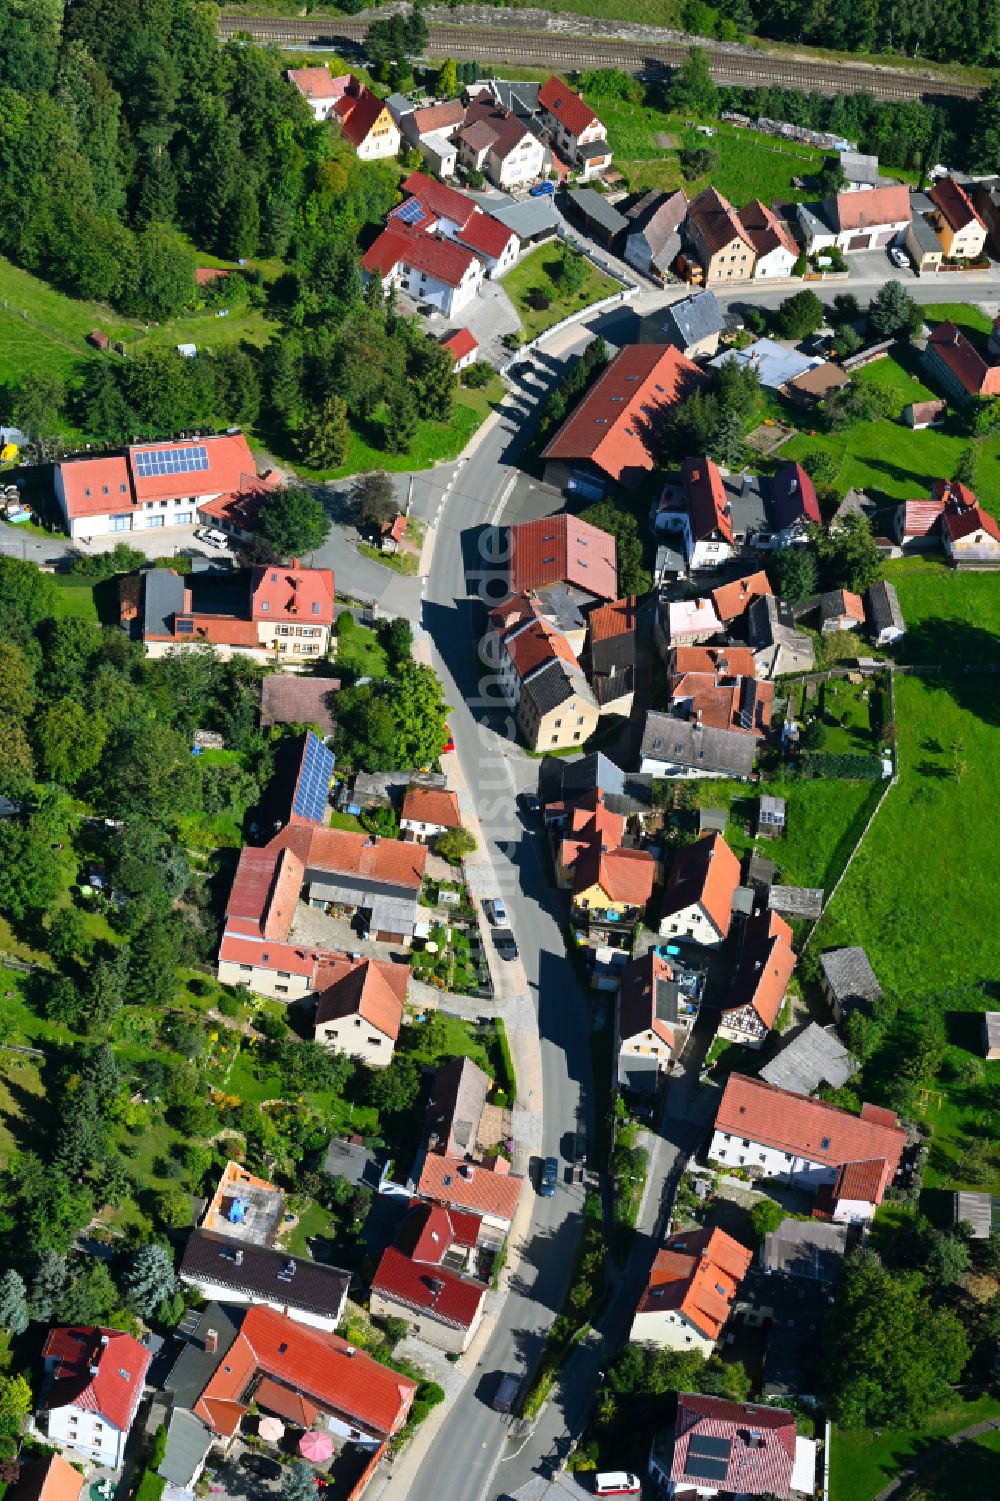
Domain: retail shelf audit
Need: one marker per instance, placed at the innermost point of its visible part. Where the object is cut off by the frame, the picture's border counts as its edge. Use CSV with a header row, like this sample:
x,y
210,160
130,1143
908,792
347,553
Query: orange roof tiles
x,y
562,549
697,1275
619,618
264,892
290,957
729,661
614,425
706,872
637,998
48,1478
231,467
623,875
96,487
469,1186
432,805
765,967
707,506
953,201
565,105
872,207
732,600
318,83
921,517
723,702
528,646
290,594
371,988
345,853
460,343
439,199
862,1181
775,1117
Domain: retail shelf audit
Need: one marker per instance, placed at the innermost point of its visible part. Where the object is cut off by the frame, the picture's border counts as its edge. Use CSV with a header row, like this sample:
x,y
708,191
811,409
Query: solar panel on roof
x,y
705,1469
411,212
708,1445
313,785
153,462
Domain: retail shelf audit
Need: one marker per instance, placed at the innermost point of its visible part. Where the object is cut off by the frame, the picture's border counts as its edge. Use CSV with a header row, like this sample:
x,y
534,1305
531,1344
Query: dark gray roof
x,y
519,97
261,1274
849,974
195,1366
398,105
550,686
747,506
761,871
163,597
924,234
815,1056
590,149
624,792
712,820
188,1441
797,901
699,747
693,319
594,206
532,216
883,606
805,1248
858,168
563,605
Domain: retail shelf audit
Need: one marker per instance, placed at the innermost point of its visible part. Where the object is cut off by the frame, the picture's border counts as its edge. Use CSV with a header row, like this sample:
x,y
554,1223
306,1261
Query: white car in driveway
x,y
899,258
212,536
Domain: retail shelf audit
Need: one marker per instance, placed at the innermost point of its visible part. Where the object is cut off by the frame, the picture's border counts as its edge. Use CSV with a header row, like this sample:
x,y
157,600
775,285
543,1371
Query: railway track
x,y
531,48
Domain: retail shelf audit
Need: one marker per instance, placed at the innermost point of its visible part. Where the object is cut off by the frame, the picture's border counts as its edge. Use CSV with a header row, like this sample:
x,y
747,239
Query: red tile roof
x,y
618,618
921,517
432,805
964,361
293,960
775,1117
51,1478
964,516
371,988
469,1186
444,116
205,275
765,967
732,600
441,259
637,998
338,1378
487,235
761,1442
290,594
697,1275
479,136
729,661
439,199
714,220
440,1294
286,1403
707,506
528,646
563,550
342,852
793,496
614,424
863,1181
241,509
98,1370
623,875
264,893
765,230
85,482
872,207
357,114
231,468
842,603
460,343
565,105
725,702
318,83
220,630
706,872
953,201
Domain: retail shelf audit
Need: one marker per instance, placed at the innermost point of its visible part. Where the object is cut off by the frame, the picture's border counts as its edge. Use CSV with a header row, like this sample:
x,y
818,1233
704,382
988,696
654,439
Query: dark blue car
x,y
549,1178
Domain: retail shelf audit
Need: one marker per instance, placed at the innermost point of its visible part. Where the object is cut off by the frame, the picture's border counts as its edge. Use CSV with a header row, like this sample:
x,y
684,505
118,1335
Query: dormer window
x,y
264,606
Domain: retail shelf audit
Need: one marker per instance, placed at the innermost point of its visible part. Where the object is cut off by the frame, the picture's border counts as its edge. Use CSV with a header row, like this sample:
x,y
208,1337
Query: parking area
x,y
489,316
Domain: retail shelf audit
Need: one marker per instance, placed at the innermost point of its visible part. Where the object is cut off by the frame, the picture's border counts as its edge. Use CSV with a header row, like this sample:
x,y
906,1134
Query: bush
x,y
200,988
843,764
346,623
454,844
229,1005
477,375
103,565
766,1215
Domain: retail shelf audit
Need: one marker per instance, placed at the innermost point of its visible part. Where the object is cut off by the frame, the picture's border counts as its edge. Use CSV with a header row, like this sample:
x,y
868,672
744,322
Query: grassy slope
x,y
862,1463
533,271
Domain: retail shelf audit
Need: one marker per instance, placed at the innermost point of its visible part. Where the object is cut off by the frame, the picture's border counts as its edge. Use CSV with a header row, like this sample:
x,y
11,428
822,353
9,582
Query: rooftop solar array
x,y
411,212
710,1446
705,1469
154,461
315,776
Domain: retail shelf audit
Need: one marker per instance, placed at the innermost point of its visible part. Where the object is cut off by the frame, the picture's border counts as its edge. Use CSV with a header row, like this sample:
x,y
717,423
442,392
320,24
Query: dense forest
x,y
952,32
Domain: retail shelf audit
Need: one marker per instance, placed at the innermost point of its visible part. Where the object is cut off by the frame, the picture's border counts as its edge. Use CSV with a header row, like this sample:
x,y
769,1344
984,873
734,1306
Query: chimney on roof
x,y
957,337
94,1371
105,1339
211,1341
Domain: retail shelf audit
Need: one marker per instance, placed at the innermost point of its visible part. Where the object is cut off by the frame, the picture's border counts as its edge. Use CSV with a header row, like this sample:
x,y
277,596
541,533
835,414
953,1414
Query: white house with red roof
x,y
438,209
499,143
847,1160
430,269
366,123
320,89
428,1277
285,620
359,1007
723,1448
772,241
152,485
462,346
577,133
94,1383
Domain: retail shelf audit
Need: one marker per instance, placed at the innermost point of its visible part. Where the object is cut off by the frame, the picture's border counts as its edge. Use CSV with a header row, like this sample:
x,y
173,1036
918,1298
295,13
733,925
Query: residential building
x,y
760,984
721,244
794,504
816,384
611,888
300,700
865,220
366,123
561,550
428,1277
610,436
971,536
923,414
258,1276
810,1249
244,1208
695,324
46,1478
562,782
611,653
433,207
731,601
455,1108
320,89
533,220
980,1211
306,1376
653,1019
428,812
922,241
653,240
525,641
778,647
959,228
152,485
256,950
690,1293
432,129
491,1192
775,250
687,623
725,660
917,525
698,897
848,981
956,365
359,1007
985,196
380,878
723,701
430,269
538,673
788,1299
676,748
885,617
775,365
556,709
496,245
991,1035
500,144
847,1160
812,1057
284,619
598,219
93,1385
723,1448
462,345
701,512
577,133
840,610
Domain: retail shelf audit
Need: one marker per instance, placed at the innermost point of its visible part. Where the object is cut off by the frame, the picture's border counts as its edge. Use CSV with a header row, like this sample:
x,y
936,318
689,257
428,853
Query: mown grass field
x,y
535,272
862,1463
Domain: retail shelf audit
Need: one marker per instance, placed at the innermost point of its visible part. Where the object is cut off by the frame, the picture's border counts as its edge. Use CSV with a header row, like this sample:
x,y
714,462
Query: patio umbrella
x,y
272,1429
316,1446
